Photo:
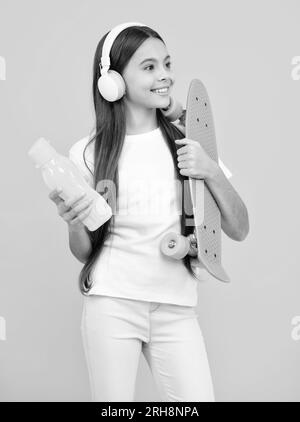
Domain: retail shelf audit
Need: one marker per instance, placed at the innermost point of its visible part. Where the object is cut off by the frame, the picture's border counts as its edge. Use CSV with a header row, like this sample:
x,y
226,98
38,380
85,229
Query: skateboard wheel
x,y
175,245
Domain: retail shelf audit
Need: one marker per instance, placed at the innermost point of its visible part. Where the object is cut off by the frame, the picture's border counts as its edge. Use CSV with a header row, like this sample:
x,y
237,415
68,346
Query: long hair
x,y
110,131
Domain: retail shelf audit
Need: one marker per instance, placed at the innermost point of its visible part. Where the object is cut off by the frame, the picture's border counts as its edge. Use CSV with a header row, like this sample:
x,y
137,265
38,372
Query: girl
x,y
135,298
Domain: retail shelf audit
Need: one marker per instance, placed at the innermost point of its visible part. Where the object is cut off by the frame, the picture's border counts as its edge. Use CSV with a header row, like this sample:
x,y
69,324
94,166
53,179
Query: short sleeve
x,y
76,156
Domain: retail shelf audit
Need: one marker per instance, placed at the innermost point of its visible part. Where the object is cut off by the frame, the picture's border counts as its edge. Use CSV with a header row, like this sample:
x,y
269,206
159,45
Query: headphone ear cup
x,y
111,86
174,111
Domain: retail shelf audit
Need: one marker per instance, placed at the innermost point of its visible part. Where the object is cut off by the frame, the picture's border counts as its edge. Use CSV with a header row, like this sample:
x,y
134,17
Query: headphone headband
x,y
109,40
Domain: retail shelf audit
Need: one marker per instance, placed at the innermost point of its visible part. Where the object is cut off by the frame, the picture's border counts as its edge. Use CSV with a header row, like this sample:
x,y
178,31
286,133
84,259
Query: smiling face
x,y
142,76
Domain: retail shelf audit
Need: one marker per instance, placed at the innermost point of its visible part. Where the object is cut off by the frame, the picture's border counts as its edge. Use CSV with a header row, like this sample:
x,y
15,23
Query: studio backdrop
x,y
248,56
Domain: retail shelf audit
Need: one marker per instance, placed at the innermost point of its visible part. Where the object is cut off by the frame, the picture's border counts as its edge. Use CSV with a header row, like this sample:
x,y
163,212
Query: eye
x,y
151,65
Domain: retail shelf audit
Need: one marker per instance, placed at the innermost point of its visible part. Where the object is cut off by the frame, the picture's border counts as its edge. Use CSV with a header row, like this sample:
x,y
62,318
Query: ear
x,y
180,127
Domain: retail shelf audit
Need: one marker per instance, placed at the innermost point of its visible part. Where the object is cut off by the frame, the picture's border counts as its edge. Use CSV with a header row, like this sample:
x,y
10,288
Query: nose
x,y
168,79
165,75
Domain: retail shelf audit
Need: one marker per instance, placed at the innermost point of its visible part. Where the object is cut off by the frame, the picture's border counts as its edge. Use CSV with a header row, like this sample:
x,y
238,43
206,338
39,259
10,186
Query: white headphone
x,y
111,84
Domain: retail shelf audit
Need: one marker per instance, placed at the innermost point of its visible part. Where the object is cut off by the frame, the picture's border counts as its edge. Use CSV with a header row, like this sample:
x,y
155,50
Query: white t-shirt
x,y
131,264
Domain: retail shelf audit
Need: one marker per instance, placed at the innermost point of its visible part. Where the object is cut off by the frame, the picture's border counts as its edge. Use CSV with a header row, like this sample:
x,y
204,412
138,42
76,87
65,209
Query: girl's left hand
x,y
193,161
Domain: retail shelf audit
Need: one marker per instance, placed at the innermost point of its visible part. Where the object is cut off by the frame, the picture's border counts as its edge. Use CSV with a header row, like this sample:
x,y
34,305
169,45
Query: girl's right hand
x,y
182,118
74,210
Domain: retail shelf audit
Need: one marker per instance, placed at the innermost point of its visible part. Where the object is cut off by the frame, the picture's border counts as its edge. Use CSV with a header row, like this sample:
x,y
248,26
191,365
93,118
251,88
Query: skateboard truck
x,y
177,246
204,244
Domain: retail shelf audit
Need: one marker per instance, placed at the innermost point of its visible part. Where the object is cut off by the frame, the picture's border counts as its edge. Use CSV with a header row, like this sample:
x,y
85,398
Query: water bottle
x,y
60,172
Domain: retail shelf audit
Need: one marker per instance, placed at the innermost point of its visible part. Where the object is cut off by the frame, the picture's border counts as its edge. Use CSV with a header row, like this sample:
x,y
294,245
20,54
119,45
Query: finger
x,y
74,212
82,215
85,212
183,157
183,164
184,172
82,206
184,141
183,150
75,220
54,195
70,203
67,208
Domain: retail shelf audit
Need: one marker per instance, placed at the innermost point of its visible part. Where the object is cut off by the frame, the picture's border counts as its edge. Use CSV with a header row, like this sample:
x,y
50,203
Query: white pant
x,y
116,330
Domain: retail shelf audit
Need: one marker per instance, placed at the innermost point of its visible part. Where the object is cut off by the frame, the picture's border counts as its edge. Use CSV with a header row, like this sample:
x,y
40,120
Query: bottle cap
x,y
41,152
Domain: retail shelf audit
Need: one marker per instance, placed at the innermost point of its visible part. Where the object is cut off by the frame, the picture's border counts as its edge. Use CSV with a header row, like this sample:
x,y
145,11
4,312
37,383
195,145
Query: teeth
x,y
160,90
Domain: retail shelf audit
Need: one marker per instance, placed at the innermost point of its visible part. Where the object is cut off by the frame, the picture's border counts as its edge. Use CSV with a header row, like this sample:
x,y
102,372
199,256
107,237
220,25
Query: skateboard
x,y
203,245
